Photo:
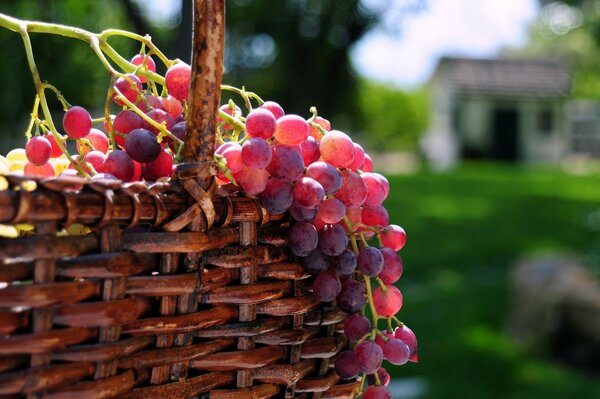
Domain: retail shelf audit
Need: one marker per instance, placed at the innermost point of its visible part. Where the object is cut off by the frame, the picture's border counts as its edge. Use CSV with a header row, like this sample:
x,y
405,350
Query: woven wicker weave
x,y
199,299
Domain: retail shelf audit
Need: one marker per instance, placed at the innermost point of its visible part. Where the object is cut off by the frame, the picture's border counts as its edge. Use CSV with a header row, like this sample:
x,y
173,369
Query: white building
x,y
503,109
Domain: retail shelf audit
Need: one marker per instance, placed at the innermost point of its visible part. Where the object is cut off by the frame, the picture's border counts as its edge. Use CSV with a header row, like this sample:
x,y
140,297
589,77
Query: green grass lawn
x,y
465,229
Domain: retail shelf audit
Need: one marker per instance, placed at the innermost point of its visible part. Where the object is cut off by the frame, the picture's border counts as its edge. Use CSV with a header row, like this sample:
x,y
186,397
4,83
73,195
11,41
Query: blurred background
x,y
485,116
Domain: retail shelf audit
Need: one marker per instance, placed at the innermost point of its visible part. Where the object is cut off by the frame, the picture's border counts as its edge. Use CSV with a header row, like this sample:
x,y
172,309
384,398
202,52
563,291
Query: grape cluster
x,y
339,230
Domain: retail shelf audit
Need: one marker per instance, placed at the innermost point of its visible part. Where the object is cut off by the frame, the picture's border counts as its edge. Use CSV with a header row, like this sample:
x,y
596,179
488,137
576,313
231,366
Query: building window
x,y
545,121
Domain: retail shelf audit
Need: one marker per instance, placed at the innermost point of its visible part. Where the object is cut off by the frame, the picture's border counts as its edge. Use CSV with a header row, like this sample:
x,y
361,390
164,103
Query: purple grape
x,y
327,175
377,392
406,335
392,266
369,356
346,365
333,240
308,192
302,238
396,352
256,153
344,263
370,261
286,163
327,286
119,164
302,213
352,297
316,262
384,377
141,145
356,326
277,196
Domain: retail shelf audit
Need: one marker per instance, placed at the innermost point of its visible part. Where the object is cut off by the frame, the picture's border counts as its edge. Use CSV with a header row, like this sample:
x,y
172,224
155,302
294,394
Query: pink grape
x,y
369,356
286,163
370,261
260,123
177,80
256,153
406,335
379,340
162,166
43,170
233,155
329,177
291,129
393,237
38,150
172,105
310,151
316,133
302,213
337,149
331,211
308,192
137,171
368,164
253,181
274,108
356,326
327,286
387,303
359,158
56,152
237,112
315,262
352,297
147,62
377,392
141,145
392,266
318,223
119,164
96,159
354,215
333,240
344,263
125,122
384,377
159,116
384,182
346,365
353,191
98,140
375,189
77,122
129,86
277,196
302,238
148,102
396,352
375,216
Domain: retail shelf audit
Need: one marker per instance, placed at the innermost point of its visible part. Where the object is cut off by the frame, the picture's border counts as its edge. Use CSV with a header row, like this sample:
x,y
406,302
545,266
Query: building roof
x,y
505,76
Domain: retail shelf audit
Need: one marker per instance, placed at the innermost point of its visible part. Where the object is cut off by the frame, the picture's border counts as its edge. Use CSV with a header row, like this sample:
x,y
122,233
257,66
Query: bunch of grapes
x,y
340,230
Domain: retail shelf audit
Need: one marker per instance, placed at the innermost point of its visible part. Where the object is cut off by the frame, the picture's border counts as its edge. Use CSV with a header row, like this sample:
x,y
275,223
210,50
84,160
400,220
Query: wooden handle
x,y
205,86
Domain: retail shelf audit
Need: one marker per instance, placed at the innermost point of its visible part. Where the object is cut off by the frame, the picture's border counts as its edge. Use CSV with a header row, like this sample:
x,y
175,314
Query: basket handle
x,y
205,86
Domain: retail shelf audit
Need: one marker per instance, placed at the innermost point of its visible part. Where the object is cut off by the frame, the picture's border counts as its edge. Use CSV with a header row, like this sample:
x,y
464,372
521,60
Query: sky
x,y
474,28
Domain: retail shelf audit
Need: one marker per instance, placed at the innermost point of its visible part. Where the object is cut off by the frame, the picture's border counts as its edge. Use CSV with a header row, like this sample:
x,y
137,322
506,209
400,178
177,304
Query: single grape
x,y
302,213
159,116
380,341
173,106
236,112
77,122
327,286
177,80
286,163
393,237
333,240
146,62
337,149
148,102
368,165
162,166
352,297
129,86
329,177
315,132
384,377
98,140
38,150
119,164
253,181
302,238
359,158
256,153
310,151
375,215
232,152
369,356
331,211
308,192
353,191
387,303
356,326
354,215
43,170
370,261
396,352
125,122
384,182
141,145
274,108
344,263
178,131
291,129
406,335
316,262
375,190
377,392
392,266
277,196
96,159
346,365
260,123
137,171
56,152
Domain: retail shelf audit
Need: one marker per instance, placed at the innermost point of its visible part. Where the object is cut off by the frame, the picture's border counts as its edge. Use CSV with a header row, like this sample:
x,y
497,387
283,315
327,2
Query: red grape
x,y
141,145
162,166
396,352
375,215
129,86
329,177
333,240
353,191
369,356
98,140
256,153
232,152
377,392
124,122
172,106
327,286
286,163
393,237
331,211
38,150
346,365
308,192
352,297
302,213
119,164
406,335
260,123
96,159
56,152
316,133
237,112
370,261
274,108
253,181
375,189
77,122
291,129
337,149
147,63
359,158
356,326
387,303
159,116
43,170
368,165
302,238
310,151
177,80
277,196
392,266
384,377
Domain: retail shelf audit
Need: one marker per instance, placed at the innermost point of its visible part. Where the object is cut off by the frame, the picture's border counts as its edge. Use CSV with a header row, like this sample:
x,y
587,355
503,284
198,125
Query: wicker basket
x,y
199,299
